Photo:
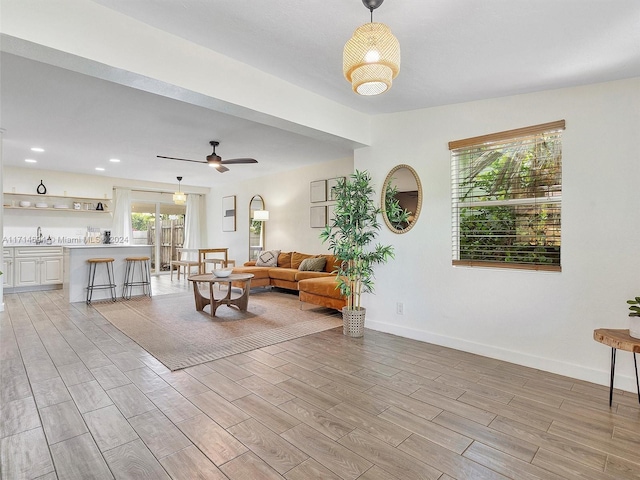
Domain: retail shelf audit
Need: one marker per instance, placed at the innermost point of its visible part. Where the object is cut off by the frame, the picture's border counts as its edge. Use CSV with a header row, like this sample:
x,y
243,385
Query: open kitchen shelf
x,y
12,201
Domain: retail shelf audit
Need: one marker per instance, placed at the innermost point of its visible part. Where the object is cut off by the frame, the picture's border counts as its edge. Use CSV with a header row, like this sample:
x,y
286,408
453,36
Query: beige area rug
x,y
170,328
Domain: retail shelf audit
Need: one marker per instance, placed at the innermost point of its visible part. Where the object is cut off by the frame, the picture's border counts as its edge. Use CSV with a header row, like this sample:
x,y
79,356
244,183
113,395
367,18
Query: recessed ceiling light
x,y
100,169
114,160
30,160
37,149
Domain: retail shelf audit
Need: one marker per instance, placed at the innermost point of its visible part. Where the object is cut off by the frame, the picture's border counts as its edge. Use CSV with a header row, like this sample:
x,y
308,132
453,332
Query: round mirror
x,y
256,227
401,198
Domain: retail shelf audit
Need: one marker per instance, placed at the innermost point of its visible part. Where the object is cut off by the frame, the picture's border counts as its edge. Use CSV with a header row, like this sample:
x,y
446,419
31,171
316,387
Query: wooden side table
x,y
622,340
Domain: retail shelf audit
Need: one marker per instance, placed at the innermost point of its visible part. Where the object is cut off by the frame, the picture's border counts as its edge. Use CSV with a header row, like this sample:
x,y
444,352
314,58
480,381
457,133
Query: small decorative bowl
x,y
222,272
24,203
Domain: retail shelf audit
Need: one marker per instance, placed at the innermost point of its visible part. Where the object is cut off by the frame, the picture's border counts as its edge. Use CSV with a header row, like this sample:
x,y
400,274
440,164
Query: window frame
x,y
514,136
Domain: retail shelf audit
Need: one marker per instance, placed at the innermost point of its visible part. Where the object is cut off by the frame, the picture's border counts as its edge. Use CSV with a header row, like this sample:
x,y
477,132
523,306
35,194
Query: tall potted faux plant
x,y
350,234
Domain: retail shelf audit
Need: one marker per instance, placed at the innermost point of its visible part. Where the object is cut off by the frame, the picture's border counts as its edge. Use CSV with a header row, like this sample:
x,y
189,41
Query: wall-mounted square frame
x,y
330,213
332,182
229,213
318,191
318,216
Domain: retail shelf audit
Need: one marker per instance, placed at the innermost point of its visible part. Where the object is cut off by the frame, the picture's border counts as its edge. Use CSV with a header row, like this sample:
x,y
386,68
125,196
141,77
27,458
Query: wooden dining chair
x,y
184,262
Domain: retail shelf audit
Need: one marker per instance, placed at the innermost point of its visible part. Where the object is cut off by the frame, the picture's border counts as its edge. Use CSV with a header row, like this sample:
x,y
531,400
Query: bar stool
x,y
130,276
91,285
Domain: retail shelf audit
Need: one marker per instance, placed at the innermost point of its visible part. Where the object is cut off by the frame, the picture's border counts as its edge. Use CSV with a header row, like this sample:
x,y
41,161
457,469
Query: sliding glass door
x,y
161,225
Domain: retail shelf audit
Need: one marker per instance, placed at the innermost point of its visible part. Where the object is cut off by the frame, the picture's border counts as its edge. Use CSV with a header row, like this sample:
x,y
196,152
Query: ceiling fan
x,y
214,160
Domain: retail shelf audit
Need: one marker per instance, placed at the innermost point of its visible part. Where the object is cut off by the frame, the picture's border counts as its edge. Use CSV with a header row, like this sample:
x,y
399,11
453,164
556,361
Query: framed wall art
x,y
318,217
330,213
318,191
332,182
229,213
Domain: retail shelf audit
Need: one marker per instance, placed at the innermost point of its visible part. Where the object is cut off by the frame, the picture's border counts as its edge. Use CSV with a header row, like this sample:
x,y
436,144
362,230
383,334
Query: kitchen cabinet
x,y
7,267
35,266
55,203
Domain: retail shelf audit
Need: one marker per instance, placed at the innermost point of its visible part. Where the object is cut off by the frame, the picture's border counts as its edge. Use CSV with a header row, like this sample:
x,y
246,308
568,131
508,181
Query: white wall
x,y
286,197
543,320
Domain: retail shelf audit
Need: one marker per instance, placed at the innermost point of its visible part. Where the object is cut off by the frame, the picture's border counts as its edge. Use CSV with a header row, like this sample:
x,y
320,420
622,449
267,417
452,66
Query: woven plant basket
x,y
353,322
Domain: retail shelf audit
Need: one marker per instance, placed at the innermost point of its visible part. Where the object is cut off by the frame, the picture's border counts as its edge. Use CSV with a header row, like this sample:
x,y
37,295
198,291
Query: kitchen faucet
x,y
39,236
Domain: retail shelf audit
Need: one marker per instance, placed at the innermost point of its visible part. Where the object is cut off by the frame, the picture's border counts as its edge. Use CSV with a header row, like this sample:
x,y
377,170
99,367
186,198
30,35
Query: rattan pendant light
x,y
371,58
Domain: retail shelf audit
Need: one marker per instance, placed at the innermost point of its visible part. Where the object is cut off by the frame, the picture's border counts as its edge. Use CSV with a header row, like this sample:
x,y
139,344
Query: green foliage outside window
x,y
141,221
256,227
509,209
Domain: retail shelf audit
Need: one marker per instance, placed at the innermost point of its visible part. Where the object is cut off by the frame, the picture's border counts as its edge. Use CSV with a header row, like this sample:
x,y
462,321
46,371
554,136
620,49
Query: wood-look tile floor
x,y
79,400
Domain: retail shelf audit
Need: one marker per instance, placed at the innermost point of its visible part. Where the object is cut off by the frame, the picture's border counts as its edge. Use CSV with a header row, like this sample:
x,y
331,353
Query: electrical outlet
x,y
399,308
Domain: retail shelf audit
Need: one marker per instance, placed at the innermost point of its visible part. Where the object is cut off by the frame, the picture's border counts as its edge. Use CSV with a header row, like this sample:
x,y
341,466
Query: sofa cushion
x,y
268,258
279,273
297,258
332,263
314,264
284,259
258,272
323,286
304,274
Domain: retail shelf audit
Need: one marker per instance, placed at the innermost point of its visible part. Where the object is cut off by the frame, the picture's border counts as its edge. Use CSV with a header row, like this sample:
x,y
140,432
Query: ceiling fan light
x,y
371,59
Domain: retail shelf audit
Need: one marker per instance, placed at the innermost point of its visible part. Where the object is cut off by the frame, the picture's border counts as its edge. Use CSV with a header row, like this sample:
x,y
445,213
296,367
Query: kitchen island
x,y
76,269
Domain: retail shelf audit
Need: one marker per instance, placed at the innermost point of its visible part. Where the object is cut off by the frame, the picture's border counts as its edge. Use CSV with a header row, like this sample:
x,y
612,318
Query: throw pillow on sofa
x,y
268,258
297,258
315,264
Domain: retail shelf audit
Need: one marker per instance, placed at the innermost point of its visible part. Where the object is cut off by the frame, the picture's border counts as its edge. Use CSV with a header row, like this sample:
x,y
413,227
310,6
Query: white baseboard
x,y
600,377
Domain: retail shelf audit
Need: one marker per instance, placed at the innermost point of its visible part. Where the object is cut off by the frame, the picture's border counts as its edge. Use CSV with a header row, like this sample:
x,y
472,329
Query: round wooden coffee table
x,y
202,301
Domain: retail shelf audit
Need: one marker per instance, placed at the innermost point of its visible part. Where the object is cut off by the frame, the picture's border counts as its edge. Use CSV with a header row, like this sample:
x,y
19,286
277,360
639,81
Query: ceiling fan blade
x,y
232,161
181,159
219,167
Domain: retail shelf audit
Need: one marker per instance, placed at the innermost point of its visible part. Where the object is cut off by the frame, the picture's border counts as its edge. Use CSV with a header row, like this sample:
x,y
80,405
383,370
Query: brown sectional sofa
x,y
321,291
315,287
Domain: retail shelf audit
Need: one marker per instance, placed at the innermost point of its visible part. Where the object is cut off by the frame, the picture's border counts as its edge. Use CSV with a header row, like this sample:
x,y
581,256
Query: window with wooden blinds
x,y
506,198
